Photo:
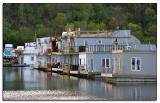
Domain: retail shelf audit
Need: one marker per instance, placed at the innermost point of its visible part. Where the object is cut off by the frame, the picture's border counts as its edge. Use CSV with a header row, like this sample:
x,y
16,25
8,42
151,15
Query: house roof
x,y
98,34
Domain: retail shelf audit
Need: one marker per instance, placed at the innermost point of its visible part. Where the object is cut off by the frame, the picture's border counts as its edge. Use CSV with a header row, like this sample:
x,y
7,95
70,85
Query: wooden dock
x,y
74,73
112,78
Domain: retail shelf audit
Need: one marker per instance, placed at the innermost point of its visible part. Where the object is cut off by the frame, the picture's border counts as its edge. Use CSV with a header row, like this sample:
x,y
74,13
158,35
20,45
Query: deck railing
x,y
104,48
29,52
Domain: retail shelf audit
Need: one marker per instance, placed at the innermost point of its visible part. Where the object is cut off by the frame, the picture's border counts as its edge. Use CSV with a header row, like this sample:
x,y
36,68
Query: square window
x,y
136,64
32,58
106,63
100,42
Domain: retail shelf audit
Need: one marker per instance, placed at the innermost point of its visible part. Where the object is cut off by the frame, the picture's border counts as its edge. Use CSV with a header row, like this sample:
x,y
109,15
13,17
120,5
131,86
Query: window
x,y
136,63
103,62
53,60
133,64
80,61
85,42
32,58
106,63
100,42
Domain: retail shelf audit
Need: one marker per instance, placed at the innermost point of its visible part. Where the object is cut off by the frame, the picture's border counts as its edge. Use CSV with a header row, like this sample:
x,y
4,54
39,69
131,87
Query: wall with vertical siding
x,y
148,63
97,61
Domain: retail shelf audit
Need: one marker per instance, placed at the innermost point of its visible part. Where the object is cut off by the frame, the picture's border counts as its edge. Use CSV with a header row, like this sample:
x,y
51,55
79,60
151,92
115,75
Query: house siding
x,y
97,61
148,63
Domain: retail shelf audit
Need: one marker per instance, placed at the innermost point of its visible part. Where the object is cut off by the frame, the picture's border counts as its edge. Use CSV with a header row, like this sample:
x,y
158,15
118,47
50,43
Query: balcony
x,y
70,49
98,48
48,51
105,48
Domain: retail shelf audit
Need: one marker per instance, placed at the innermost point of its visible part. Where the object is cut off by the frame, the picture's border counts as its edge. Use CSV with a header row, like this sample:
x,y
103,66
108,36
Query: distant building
x,y
42,50
8,51
27,56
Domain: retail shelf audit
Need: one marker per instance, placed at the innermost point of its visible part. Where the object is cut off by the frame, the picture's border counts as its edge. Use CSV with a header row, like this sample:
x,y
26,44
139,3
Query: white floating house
x,y
42,57
28,57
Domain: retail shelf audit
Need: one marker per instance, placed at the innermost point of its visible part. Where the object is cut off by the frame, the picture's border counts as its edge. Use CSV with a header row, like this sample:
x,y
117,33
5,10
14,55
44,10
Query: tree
x,y
24,20
69,26
60,21
92,26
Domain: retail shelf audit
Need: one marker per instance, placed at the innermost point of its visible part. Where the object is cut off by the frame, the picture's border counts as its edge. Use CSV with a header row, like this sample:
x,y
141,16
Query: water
x,y
25,78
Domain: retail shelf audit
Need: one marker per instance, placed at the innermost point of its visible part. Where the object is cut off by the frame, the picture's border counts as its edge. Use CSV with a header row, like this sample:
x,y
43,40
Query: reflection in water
x,y
29,79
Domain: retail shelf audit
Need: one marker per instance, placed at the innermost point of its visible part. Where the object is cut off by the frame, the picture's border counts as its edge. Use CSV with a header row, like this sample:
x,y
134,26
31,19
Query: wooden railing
x,y
103,48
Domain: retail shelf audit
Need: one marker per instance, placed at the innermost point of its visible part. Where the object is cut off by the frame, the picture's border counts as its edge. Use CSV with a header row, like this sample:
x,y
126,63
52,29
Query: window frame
x,y
32,58
100,43
140,65
108,63
105,63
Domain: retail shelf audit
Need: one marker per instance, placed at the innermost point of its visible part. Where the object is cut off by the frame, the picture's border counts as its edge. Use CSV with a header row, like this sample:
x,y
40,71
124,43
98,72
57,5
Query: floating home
x,y
114,56
136,63
27,55
8,51
86,49
47,53
101,53
43,48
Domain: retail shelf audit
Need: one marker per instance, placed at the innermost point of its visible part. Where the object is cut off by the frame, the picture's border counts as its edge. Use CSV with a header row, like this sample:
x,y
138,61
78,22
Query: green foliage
x,y
22,21
69,26
92,26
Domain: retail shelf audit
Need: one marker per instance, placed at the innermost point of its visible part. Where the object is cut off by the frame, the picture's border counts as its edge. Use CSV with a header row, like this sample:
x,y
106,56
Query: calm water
x,y
25,78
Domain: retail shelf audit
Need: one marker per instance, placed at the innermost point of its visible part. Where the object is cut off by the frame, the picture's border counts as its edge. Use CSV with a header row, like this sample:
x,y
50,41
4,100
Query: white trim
x,y
114,62
109,63
119,63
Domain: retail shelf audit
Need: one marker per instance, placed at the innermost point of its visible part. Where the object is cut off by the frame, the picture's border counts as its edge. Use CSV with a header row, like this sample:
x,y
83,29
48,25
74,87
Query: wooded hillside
x,y
22,21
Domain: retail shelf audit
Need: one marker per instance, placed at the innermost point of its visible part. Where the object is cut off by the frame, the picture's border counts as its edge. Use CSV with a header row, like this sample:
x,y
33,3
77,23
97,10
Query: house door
x,y
116,64
21,60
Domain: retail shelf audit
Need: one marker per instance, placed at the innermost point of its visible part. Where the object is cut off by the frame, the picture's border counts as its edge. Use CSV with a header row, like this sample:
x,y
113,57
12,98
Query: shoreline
x,y
44,95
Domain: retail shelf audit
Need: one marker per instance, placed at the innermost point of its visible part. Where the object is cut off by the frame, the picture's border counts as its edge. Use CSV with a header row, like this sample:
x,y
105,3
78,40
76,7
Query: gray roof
x,y
122,33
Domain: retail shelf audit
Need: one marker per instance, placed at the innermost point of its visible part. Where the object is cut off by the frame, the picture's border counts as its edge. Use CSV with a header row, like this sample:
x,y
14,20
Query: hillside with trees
x,y
24,22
